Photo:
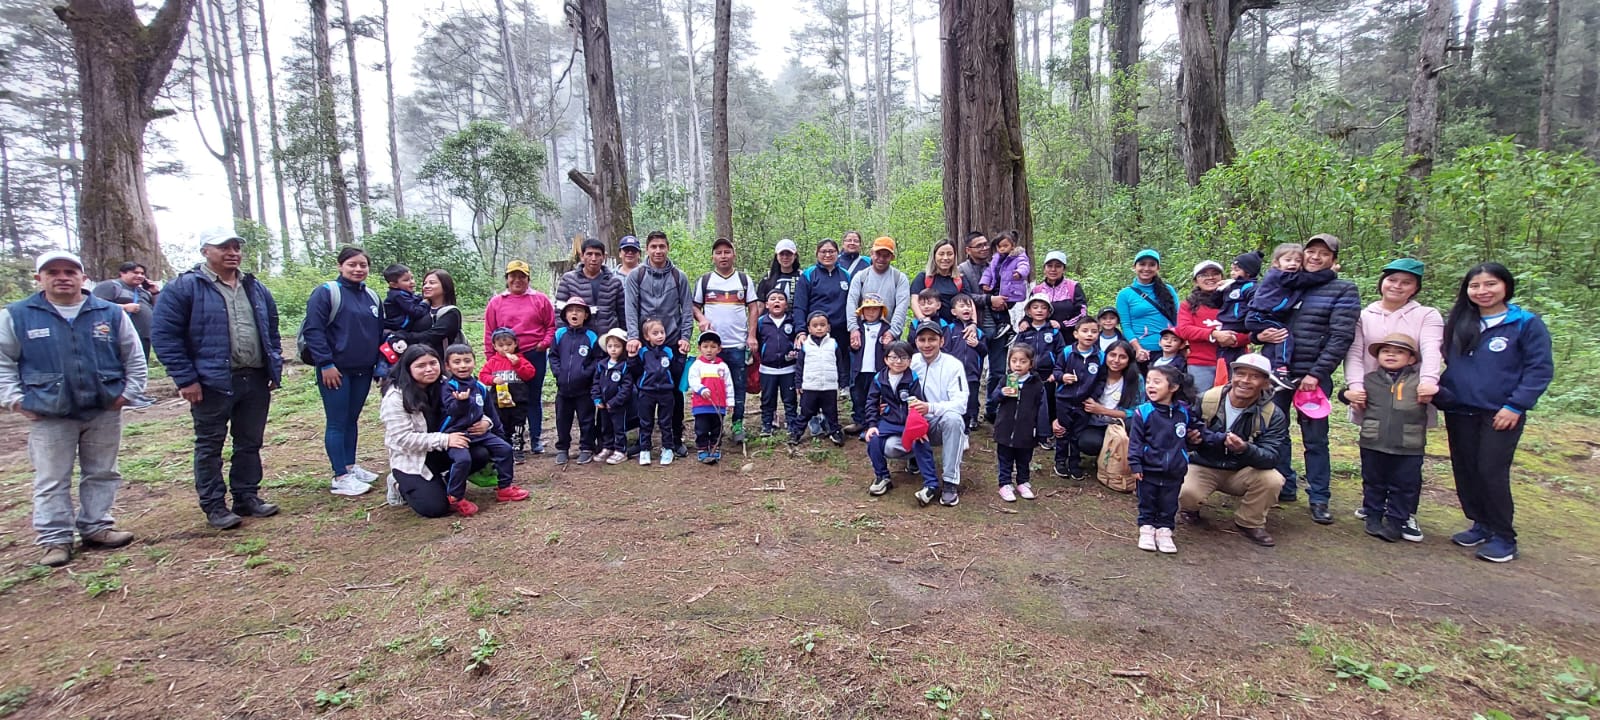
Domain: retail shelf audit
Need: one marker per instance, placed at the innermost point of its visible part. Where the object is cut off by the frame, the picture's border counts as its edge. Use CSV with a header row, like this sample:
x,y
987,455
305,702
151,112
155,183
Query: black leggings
x,y
428,497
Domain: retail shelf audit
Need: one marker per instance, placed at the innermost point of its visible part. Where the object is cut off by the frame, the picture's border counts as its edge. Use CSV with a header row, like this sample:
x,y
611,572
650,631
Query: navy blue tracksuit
x,y
955,343
1158,448
573,357
887,409
775,345
1090,369
1234,312
612,392
462,414
657,390
1019,423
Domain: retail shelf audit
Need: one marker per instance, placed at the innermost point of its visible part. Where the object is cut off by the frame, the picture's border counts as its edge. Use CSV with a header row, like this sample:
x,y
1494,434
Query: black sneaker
x,y
1320,514
880,486
1077,474
912,467
222,518
1047,444
951,496
681,450
562,457
1062,471
1411,531
1393,529
519,456
837,438
253,506
1287,496
1375,527
766,432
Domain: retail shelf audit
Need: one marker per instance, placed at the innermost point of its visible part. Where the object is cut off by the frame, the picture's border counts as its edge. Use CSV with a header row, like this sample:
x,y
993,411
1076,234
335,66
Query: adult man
x,y
601,289
89,352
725,302
128,290
217,333
944,382
658,290
992,319
627,256
1243,462
850,258
1321,329
891,286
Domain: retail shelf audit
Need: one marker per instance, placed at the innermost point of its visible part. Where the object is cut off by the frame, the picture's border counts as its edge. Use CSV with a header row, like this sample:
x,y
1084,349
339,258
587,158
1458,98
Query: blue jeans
x,y
734,358
341,409
1203,377
1314,434
541,363
55,445
880,448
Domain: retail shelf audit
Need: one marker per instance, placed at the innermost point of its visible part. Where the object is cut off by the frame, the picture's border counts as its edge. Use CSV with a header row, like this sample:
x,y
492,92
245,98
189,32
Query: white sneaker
x,y
364,475
349,485
1147,538
1164,541
394,499
666,457
616,458
1025,491
644,457
602,456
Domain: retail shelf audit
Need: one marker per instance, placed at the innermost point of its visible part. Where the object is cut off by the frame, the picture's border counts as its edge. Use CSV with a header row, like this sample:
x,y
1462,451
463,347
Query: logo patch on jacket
x,y
616,377
666,362
1093,368
1181,429
788,328
374,310
583,350
1498,344
844,285
102,331
38,333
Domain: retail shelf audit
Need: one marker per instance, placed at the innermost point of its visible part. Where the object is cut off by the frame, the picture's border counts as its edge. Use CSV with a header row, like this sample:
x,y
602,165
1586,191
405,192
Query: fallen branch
x,y
929,585
897,627
741,698
348,588
627,692
1130,673
692,598
769,488
258,632
964,570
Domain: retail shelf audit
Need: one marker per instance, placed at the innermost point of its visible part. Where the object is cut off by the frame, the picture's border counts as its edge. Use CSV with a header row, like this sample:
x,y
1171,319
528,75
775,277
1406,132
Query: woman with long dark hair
x,y
940,275
1124,391
1497,364
1147,306
341,336
442,327
783,273
417,457
1198,325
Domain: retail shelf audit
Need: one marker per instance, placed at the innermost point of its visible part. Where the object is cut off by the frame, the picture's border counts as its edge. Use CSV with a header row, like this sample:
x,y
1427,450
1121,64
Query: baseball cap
x,y
1171,331
720,242
1328,239
1405,265
1313,403
562,305
786,245
709,336
54,255
1205,265
1055,256
218,236
1258,363
928,326
628,242
520,266
501,332
1398,340
884,243
1107,311
1149,254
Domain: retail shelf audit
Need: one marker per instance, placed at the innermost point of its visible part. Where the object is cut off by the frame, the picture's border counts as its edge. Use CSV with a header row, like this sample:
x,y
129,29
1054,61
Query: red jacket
x,y
497,369
1195,325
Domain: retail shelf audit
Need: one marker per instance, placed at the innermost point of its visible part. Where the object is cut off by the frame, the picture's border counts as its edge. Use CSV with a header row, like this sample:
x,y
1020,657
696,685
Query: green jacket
x,y
1394,422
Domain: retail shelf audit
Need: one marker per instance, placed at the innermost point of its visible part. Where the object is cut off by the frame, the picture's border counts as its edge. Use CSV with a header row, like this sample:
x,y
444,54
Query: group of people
x,y
1168,389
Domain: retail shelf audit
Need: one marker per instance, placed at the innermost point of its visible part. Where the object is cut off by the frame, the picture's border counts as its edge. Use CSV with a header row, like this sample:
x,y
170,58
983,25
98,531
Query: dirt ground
x,y
774,587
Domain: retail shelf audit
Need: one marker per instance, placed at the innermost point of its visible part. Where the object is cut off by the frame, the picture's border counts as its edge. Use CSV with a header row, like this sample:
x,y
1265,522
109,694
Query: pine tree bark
x,y
122,64
1470,34
721,175
1080,83
916,59
328,122
607,187
1258,75
358,131
10,232
1205,30
222,105
235,116
1422,115
260,180
697,152
1126,18
1588,106
272,134
985,178
880,108
399,194
1547,87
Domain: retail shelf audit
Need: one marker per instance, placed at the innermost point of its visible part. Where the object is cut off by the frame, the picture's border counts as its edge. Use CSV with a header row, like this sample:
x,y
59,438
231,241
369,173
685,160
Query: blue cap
x,y
1147,253
628,241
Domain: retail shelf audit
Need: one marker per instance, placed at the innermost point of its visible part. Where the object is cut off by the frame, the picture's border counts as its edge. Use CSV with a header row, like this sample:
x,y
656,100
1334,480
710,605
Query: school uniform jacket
x,y
1046,341
955,343
572,359
1021,421
824,291
652,370
1090,368
613,384
1510,367
1158,440
775,341
887,407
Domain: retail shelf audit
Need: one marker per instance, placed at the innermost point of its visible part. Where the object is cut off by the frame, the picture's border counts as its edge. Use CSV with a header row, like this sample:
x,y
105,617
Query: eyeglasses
x,y
827,251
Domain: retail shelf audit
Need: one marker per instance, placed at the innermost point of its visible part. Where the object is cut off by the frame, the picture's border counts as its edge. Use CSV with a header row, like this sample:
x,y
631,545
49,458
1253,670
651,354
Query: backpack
x,y
744,287
927,281
335,300
1211,404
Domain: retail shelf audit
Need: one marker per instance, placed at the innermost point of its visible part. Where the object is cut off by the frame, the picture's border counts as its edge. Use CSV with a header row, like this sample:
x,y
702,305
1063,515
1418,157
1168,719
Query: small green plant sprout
x,y
1345,667
106,579
941,697
588,715
486,648
1411,676
438,645
325,700
250,547
806,641
1493,715
1497,649
12,700
1576,689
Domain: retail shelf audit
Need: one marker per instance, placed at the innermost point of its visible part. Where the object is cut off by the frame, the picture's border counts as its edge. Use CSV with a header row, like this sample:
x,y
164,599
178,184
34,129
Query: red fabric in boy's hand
x,y
916,428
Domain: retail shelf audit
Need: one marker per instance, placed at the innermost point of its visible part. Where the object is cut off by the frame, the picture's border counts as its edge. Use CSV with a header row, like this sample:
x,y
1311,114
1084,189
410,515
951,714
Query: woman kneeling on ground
x,y
419,459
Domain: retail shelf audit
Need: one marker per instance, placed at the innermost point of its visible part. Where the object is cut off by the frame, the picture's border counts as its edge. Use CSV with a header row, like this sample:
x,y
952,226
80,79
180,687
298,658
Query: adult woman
x,y
410,406
1497,364
1124,390
1067,303
1147,306
783,273
1198,325
940,275
1397,311
825,288
530,315
343,346
442,327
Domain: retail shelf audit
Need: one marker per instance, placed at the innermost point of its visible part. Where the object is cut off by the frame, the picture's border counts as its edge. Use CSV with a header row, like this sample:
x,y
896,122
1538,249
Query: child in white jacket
x,y
819,381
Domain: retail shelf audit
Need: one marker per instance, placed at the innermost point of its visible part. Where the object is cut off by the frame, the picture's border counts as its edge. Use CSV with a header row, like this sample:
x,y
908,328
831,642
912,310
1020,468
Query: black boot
x,y
221,518
253,506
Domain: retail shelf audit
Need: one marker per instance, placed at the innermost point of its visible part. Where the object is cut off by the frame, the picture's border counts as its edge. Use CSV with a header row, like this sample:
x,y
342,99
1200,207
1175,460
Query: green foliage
x,y
496,172
941,697
335,700
487,646
423,245
107,579
13,699
1345,667
1575,690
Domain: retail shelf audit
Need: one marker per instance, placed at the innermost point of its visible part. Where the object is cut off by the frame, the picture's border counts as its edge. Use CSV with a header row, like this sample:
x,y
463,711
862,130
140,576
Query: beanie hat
x,y
1249,262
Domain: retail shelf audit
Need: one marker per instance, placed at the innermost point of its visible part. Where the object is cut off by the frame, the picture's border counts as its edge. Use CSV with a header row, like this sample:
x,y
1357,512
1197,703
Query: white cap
x,y
54,255
1037,297
218,236
1260,364
1204,265
617,333
785,244
1055,255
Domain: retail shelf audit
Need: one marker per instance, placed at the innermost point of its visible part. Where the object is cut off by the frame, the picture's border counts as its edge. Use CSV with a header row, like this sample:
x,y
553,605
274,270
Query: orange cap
x,y
884,243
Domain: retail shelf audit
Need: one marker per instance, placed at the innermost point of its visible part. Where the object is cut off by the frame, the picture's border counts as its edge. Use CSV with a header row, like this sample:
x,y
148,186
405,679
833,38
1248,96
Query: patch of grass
x,y
107,579
833,480
770,504
487,646
750,658
250,547
552,538
256,561
859,522
12,700
335,700
481,605
282,569
157,555
940,696
28,574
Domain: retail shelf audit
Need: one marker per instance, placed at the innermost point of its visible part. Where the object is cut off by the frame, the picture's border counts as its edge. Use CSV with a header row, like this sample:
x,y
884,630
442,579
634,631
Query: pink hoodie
x,y
1422,323
530,315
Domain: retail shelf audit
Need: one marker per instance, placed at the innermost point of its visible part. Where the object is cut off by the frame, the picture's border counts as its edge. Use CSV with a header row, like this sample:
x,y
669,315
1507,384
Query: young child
x,y
1158,455
652,369
1080,375
1047,338
462,403
888,400
1110,327
1276,296
1008,270
819,381
508,374
613,395
573,356
775,341
928,303
1393,426
1172,352
402,306
965,342
868,360
1236,296
710,397
1022,419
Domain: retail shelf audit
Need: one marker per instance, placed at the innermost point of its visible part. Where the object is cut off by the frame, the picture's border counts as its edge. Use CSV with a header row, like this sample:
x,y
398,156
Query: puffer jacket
x,y
999,275
818,364
1322,328
603,294
1024,420
189,331
660,293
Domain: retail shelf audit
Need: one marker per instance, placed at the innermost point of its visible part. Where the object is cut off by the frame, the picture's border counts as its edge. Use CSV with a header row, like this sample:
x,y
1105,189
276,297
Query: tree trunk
x,y
272,126
1258,76
10,233
1547,87
520,117
1126,19
357,125
916,60
398,193
1080,82
880,107
721,177
985,179
222,104
250,107
697,184
1205,29
607,187
122,64
328,122
235,117
1588,107
1422,115
1470,34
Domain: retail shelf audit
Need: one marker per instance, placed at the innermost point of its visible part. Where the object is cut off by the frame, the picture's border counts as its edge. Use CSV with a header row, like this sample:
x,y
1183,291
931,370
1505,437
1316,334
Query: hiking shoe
x,y
56,555
853,428
394,498
738,431
465,507
666,457
703,456
715,455
1287,496
1375,528
1025,491
585,457
222,518
1147,538
1164,541
951,497
644,457
1498,550
349,486
1361,513
510,493
519,456
108,538
973,424
1258,536
1472,536
1062,471
253,506
1077,474
364,475
926,495
837,438
537,449
1008,493
616,458
879,486
1411,531
1393,529
1320,514
562,457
